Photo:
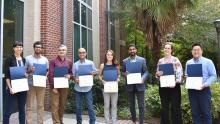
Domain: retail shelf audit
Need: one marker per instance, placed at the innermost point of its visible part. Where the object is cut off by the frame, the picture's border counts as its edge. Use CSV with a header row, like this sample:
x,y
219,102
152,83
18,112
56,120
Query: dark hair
x,y
38,43
114,60
17,43
196,44
131,45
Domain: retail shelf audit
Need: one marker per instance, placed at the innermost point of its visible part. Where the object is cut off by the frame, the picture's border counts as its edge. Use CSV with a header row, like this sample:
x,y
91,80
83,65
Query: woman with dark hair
x,y
15,60
110,63
170,95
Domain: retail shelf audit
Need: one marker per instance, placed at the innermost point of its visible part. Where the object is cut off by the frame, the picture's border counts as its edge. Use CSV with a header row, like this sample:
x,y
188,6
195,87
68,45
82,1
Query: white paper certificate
x,y
194,83
19,85
61,82
167,81
85,80
134,78
111,87
39,80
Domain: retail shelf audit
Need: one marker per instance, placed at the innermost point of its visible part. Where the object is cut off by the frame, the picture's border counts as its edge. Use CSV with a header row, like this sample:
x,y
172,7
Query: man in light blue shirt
x,y
200,100
85,92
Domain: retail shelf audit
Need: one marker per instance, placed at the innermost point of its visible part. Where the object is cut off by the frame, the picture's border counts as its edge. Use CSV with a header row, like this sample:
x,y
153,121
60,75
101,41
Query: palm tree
x,y
156,18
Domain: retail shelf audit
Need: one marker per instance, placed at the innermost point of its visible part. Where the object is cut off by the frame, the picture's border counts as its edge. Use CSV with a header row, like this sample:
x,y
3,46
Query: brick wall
x,y
103,29
52,31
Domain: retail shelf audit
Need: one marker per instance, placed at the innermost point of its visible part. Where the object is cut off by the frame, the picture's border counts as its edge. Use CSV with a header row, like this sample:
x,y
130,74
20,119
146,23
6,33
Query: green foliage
x,y
152,101
197,27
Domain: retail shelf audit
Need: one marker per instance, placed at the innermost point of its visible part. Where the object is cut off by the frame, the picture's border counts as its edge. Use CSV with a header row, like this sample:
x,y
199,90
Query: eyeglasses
x,y
81,52
38,47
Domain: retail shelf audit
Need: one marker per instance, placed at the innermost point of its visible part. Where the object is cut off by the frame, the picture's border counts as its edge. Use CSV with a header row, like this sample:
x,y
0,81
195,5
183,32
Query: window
x,y
82,23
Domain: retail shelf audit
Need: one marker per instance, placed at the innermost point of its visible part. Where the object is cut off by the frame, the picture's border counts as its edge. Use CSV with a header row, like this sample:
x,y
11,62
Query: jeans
x,y
21,100
89,104
110,99
200,102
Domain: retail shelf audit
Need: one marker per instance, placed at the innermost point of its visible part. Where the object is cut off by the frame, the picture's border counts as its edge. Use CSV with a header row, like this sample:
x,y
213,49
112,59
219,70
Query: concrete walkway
x,y
68,119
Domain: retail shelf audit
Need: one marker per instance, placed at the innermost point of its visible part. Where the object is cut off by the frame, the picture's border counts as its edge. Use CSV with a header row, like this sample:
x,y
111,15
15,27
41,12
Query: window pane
x,y
76,41
89,15
89,2
83,15
113,37
90,45
76,10
84,38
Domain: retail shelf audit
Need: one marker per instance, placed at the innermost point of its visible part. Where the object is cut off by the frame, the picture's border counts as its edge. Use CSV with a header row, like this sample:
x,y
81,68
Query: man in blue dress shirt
x,y
200,100
135,89
83,92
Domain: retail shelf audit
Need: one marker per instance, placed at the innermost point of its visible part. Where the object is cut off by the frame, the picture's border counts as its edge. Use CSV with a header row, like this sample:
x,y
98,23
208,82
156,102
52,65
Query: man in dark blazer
x,y
135,89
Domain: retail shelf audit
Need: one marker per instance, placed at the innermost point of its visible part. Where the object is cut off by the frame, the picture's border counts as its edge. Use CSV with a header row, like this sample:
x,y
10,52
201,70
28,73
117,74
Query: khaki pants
x,y
39,93
58,102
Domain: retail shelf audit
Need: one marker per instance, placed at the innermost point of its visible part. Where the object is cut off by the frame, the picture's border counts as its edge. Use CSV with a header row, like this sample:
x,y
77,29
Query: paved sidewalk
x,y
68,119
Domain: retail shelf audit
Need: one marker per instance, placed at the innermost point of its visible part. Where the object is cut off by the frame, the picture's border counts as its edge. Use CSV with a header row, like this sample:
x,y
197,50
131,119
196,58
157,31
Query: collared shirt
x,y
176,65
75,73
208,69
30,60
58,62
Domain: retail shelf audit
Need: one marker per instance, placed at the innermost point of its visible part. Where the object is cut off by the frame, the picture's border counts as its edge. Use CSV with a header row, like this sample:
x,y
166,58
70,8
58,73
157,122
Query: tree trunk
x,y
156,38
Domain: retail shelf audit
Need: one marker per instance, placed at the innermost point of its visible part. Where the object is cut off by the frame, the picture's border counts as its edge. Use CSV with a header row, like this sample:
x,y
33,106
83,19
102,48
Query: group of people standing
x,y
200,100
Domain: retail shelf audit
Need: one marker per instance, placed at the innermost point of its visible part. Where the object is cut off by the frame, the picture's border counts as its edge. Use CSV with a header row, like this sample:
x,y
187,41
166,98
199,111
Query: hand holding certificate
x,y
85,77
134,73
167,79
194,78
60,81
39,75
111,84
18,81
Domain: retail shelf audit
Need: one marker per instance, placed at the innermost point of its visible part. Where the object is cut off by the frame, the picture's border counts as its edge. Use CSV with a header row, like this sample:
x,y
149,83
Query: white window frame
x,y
81,2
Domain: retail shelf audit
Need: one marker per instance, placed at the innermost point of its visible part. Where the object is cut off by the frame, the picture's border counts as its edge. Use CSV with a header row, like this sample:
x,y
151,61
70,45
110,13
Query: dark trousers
x,y
200,102
140,99
170,96
21,100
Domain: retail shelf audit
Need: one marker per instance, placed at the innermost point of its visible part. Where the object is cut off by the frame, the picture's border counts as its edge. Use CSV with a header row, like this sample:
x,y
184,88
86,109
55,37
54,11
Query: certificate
x,y
110,75
39,75
194,78
18,81
168,77
111,87
134,78
85,80
59,80
19,85
194,83
167,81
39,80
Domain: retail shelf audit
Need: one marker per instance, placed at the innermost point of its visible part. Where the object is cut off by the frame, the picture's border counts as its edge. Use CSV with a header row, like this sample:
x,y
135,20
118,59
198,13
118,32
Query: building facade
x,y
76,23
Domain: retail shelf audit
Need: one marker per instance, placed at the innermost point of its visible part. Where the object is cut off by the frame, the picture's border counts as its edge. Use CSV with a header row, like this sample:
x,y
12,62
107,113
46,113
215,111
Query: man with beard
x,y
137,89
38,92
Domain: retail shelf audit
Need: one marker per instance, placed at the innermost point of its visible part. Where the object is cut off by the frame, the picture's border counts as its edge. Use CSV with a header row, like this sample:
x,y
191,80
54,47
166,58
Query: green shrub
x,y
152,102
